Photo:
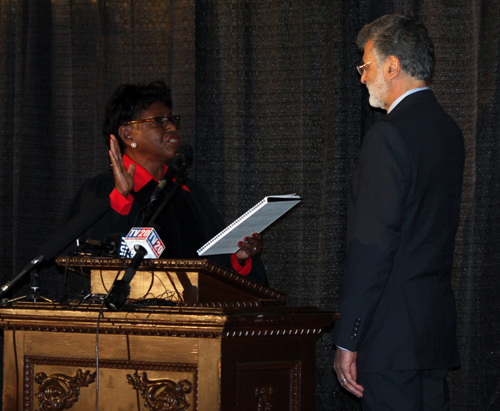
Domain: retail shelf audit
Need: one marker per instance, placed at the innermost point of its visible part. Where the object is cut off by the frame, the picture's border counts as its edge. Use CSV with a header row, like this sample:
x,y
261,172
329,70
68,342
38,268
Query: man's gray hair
x,y
405,38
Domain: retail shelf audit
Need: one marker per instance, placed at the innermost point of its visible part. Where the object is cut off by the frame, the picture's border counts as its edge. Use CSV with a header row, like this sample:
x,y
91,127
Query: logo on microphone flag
x,y
146,237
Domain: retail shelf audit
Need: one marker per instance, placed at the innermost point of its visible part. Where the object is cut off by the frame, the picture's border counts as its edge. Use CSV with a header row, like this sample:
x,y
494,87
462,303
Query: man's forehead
x,y
368,50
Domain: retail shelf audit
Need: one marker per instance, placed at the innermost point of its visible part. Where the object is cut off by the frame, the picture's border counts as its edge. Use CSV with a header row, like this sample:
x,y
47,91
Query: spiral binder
x,y
255,220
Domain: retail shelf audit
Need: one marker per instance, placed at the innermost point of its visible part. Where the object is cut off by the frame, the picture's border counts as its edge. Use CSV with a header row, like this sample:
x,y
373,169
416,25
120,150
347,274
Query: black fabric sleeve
x,y
93,191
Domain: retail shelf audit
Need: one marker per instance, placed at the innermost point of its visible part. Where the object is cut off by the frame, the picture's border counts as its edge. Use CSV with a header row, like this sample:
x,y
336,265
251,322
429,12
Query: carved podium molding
x,y
58,391
190,283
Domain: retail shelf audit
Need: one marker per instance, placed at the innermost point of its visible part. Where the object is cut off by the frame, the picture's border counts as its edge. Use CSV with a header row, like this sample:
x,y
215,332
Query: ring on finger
x,y
343,381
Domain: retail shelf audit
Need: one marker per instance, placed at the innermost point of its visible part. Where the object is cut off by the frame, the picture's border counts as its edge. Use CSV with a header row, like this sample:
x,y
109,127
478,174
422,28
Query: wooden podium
x,y
227,344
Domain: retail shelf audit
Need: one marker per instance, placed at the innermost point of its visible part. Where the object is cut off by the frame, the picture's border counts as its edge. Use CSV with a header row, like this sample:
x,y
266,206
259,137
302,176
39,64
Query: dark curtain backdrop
x,y
272,104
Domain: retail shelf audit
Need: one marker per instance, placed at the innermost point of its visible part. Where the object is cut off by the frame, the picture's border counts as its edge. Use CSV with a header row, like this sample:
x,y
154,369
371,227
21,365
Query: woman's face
x,y
155,143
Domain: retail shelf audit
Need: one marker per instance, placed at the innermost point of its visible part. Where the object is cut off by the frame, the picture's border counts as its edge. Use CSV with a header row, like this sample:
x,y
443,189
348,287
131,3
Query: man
x,y
396,338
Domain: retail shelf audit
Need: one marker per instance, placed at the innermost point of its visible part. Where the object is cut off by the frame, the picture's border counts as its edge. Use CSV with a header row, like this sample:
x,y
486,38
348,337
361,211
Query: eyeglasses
x,y
158,121
362,68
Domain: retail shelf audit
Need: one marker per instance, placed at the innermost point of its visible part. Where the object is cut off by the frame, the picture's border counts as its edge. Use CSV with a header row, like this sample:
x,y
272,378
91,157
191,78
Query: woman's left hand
x,y
249,247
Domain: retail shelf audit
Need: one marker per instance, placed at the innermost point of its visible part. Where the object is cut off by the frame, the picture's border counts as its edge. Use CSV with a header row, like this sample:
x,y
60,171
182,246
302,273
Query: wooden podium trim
x,y
116,364
172,321
205,267
31,361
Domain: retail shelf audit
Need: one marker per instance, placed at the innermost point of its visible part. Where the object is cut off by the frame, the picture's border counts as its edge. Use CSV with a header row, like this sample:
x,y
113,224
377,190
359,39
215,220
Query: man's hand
x,y
345,367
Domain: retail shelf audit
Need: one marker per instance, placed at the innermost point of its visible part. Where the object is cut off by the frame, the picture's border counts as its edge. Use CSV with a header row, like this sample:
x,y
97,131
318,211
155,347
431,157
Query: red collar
x,y
142,176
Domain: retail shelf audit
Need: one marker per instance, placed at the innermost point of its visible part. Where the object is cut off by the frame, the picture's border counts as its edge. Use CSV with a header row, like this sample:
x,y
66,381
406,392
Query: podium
x,y
225,344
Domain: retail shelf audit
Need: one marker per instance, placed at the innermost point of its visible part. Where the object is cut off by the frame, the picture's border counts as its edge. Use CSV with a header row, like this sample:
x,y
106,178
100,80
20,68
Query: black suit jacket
x,y
397,303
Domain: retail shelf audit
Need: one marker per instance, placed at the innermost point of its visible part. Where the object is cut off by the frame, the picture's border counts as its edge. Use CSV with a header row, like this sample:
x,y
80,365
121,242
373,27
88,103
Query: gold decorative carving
x,y
31,361
59,392
162,395
265,397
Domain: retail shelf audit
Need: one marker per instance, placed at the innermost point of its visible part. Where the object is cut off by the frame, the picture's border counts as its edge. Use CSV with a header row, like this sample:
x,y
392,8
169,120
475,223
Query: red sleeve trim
x,y
119,203
242,270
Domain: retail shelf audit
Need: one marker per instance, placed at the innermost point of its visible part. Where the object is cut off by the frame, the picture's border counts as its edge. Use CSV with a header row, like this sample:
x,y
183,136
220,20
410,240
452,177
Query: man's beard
x,y
378,91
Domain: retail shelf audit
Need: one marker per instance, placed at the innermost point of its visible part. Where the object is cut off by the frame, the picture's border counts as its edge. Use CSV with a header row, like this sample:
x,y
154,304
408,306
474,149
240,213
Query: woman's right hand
x,y
124,179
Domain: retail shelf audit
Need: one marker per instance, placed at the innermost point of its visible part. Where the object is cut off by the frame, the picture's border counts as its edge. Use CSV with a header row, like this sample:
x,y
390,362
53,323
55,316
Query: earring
x,y
133,144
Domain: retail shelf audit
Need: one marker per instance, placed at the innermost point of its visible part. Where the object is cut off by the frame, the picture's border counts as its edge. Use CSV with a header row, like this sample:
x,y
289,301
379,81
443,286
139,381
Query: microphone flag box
x,y
146,237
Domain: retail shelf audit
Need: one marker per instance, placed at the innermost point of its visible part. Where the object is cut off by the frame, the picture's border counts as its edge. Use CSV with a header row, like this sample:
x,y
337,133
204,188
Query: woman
x,y
142,136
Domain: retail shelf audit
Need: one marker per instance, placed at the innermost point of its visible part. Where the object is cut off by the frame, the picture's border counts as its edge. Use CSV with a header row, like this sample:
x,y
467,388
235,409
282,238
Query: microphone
x,y
64,237
146,237
142,243
158,189
145,242
172,190
174,168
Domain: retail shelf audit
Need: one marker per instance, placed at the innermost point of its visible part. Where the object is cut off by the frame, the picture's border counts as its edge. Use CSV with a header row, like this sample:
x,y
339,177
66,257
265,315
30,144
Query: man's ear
x,y
393,67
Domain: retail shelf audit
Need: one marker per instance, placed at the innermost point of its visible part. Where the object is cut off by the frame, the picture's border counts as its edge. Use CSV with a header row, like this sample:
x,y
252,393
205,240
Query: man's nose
x,y
363,77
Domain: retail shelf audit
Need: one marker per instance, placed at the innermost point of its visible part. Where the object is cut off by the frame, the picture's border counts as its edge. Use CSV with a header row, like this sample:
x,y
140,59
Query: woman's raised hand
x,y
124,179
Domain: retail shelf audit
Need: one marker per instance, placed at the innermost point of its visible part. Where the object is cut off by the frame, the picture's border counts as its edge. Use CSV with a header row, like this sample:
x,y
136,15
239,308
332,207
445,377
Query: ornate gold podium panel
x,y
162,358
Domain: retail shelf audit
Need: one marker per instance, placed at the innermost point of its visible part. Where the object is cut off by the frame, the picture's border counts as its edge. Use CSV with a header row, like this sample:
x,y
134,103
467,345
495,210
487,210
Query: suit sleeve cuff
x,y
119,203
242,270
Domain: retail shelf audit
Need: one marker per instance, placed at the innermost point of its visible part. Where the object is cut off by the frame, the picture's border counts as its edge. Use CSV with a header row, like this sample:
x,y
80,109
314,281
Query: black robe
x,y
188,222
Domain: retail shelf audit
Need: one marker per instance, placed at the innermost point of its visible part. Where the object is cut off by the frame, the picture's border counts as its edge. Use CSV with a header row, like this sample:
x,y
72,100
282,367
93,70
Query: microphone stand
x,y
34,283
35,287
70,231
34,295
120,290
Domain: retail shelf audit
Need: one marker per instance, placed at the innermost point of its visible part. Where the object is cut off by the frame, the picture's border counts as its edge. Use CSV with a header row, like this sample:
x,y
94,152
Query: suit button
x,y
354,335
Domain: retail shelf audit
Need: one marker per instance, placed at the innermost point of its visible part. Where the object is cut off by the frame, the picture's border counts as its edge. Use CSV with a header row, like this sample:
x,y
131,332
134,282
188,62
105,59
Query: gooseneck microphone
x,y
64,237
175,178
174,168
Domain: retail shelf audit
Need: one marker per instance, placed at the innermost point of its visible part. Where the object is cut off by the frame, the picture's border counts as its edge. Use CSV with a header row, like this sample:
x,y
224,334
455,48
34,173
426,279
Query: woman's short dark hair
x,y
128,101
405,38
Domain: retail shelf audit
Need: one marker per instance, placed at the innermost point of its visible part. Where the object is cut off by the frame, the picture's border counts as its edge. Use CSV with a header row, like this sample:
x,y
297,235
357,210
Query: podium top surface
x,y
214,279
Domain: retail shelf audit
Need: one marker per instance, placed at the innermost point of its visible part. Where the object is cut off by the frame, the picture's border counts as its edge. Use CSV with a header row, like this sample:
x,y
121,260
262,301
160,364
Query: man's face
x,y
373,78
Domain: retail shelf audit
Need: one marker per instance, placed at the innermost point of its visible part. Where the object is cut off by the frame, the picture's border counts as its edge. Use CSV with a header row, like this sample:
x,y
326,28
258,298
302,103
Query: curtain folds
x,y
272,104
